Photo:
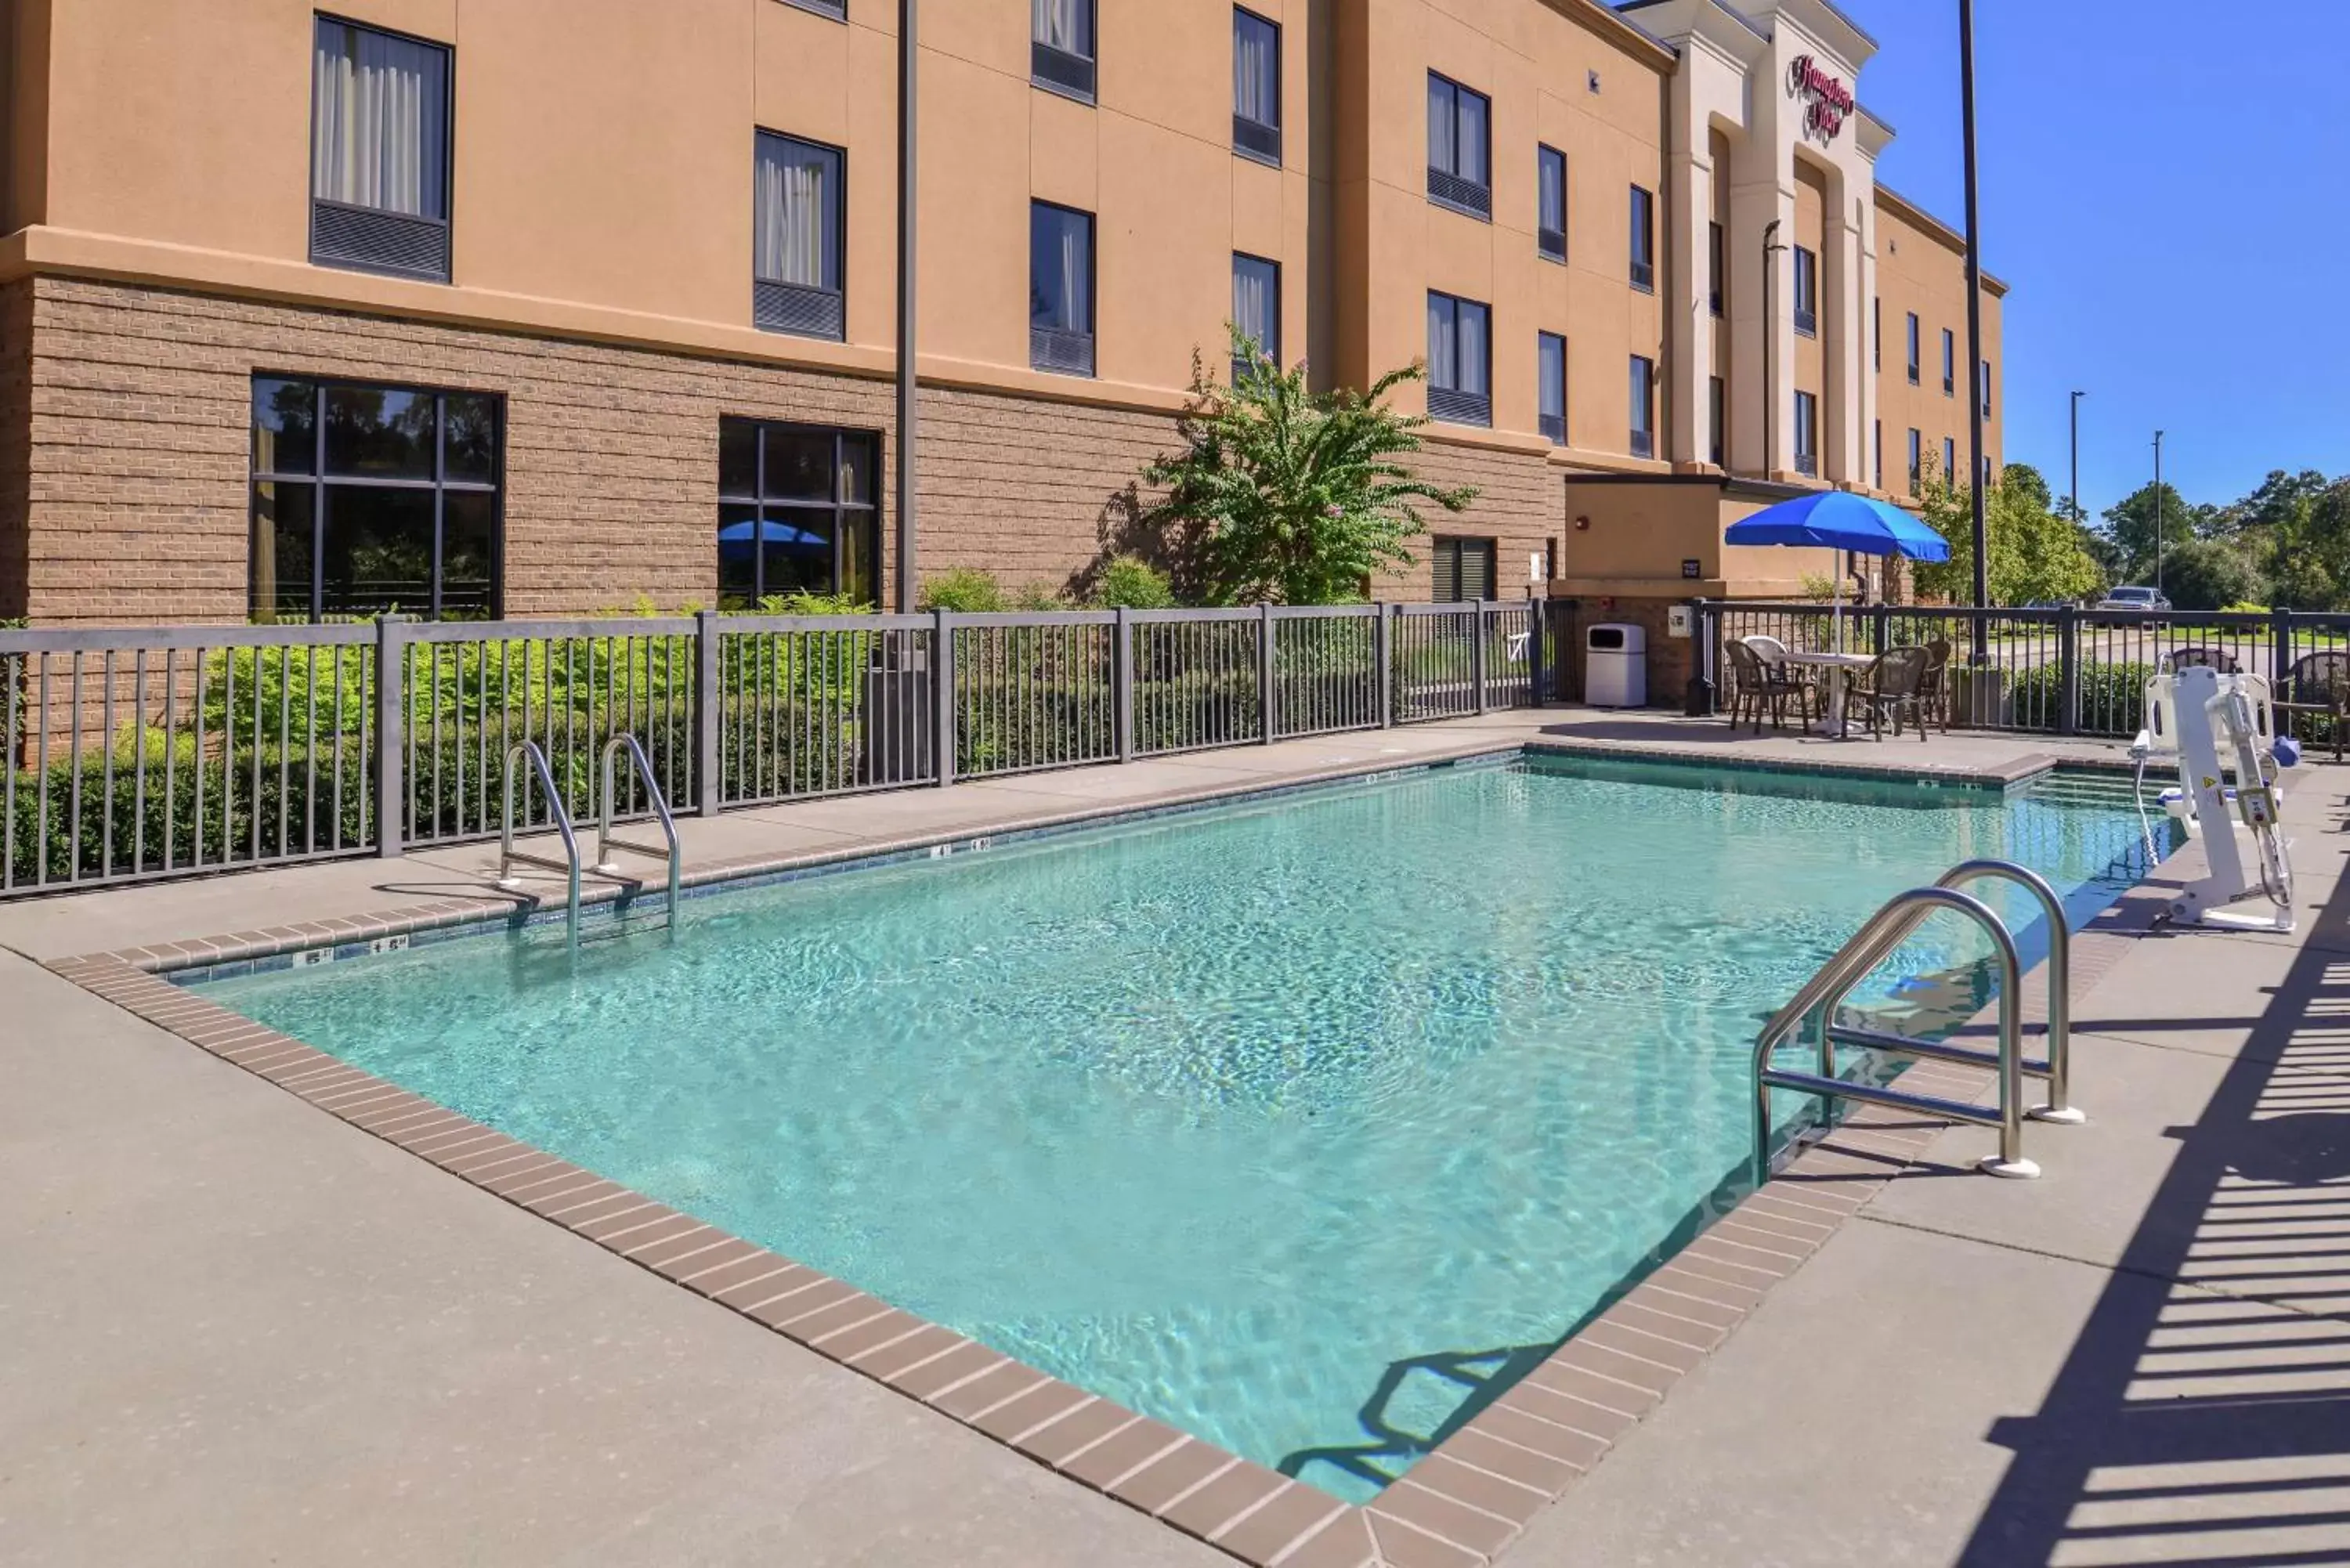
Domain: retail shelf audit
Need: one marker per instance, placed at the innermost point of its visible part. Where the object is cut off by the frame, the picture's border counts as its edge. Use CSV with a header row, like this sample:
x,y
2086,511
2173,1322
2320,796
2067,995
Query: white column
x,y
1843,330
1754,203
1689,225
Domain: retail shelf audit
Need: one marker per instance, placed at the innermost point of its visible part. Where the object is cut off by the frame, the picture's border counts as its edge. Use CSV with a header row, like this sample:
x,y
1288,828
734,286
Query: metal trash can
x,y
1615,666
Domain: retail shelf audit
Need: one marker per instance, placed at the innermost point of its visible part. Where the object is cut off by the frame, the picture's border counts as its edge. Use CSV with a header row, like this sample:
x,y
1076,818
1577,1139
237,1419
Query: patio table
x,y
1835,670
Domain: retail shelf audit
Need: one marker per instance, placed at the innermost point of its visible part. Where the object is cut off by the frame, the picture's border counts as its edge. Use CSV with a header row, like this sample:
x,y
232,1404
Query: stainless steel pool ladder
x,y
509,856
1875,941
606,842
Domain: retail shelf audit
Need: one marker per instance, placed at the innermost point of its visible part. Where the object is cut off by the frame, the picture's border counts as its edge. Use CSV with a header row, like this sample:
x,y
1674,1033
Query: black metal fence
x,y
2054,671
137,753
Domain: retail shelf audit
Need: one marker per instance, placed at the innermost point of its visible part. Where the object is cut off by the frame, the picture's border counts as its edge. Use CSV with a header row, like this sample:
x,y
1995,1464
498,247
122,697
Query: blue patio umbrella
x,y
736,541
1839,520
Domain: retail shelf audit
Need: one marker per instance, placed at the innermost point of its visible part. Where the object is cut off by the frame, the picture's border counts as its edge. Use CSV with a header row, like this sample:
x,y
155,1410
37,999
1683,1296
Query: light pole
x,y
1974,334
908,579
2077,396
1771,246
2158,512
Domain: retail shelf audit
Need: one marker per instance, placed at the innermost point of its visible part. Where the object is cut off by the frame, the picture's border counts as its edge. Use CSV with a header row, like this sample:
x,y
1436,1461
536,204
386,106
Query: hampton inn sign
x,y
1829,99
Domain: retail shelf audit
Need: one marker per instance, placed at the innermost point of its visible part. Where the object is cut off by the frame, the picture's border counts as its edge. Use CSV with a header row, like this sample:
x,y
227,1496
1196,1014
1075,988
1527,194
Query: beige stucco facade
x,y
601,234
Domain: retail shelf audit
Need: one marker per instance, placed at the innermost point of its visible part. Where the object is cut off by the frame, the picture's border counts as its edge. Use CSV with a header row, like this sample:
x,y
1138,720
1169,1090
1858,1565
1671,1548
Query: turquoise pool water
x,y
1301,1125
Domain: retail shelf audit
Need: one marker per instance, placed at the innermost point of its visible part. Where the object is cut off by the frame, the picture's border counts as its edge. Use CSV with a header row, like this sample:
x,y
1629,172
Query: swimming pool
x,y
1301,1125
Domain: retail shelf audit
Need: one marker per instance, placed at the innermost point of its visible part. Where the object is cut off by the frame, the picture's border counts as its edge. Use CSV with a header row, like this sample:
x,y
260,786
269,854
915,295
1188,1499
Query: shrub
x,y
2112,696
966,590
1128,583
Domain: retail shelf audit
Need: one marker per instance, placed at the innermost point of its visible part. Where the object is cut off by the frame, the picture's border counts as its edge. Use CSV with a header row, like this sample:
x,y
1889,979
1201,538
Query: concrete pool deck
x,y
238,1328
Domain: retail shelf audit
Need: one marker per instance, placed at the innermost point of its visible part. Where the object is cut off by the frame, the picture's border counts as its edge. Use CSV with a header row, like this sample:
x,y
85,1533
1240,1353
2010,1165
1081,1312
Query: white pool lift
x,y
2221,729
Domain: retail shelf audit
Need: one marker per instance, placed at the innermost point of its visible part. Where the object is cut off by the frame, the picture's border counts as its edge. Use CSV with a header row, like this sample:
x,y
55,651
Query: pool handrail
x,y
1877,938
605,842
509,856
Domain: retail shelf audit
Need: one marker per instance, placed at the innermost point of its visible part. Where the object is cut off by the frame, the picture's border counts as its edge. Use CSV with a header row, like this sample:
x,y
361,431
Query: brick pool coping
x,y
1460,1505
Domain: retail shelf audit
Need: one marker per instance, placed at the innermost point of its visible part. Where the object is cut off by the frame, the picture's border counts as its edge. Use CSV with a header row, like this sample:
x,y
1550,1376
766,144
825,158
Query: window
x,y
1256,309
1913,347
1061,46
1917,462
1986,389
1713,260
1718,406
1460,148
1949,363
1060,289
796,513
368,500
1949,462
378,153
1876,335
1644,240
1550,354
1807,293
1807,435
1985,472
1644,407
796,245
1877,442
1459,360
1464,570
836,9
1550,220
1256,87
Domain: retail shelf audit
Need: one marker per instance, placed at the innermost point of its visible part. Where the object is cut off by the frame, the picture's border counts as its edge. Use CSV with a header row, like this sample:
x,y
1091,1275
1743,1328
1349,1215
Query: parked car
x,y
2134,599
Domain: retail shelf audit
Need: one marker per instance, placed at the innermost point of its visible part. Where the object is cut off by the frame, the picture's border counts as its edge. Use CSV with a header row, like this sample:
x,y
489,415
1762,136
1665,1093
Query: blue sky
x,y
2163,188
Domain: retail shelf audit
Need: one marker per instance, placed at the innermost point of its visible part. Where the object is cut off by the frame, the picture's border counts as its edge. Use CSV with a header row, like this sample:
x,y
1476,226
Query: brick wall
x,y
1670,659
1521,505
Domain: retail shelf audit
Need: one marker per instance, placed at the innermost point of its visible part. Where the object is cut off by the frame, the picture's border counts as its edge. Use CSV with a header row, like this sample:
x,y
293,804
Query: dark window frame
x,y
1456,405
1949,462
1091,335
1916,459
1640,263
777,306
320,483
1078,76
1256,139
1717,253
1553,426
1717,394
837,10
1272,351
1878,435
1915,351
1806,431
1808,292
1949,363
1449,188
1642,373
1550,243
326,212
840,510
1876,335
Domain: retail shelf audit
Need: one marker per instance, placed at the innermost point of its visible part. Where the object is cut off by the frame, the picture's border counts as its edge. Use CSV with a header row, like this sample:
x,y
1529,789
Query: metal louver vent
x,y
1256,138
1065,353
1552,243
372,241
801,311
1061,70
1465,194
1459,408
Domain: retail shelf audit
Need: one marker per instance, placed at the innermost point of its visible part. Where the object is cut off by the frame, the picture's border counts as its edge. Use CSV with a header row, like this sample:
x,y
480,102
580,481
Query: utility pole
x,y
1974,334
908,580
2158,512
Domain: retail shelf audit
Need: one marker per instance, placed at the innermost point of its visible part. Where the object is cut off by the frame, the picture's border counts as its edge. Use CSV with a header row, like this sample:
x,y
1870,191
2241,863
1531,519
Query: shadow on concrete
x,y
2203,1414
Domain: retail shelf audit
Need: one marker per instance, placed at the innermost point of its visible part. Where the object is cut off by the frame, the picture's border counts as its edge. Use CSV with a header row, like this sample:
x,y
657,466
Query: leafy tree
x,y
2034,553
2209,575
2283,501
2131,523
1285,495
2308,551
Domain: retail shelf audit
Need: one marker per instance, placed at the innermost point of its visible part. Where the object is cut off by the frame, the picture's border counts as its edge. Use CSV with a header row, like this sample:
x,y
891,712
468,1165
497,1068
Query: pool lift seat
x,y
1817,1004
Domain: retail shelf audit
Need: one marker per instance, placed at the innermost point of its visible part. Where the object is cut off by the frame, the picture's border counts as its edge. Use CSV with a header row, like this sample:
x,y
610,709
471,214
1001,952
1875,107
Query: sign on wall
x,y
1827,100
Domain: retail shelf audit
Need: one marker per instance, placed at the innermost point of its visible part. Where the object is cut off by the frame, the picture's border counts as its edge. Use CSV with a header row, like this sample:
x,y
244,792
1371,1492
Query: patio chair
x,y
1754,686
2318,684
2218,659
1934,692
1892,684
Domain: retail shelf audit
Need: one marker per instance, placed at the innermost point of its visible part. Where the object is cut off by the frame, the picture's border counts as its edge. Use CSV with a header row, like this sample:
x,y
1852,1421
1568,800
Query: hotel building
x,y
549,306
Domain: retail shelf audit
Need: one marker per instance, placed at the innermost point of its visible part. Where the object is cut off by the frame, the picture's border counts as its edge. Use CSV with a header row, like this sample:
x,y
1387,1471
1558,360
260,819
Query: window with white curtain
x,y
1460,359
378,151
1550,220
1256,309
1060,289
1807,435
1808,292
1549,357
795,251
1061,46
1644,239
1256,87
1644,407
1460,148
